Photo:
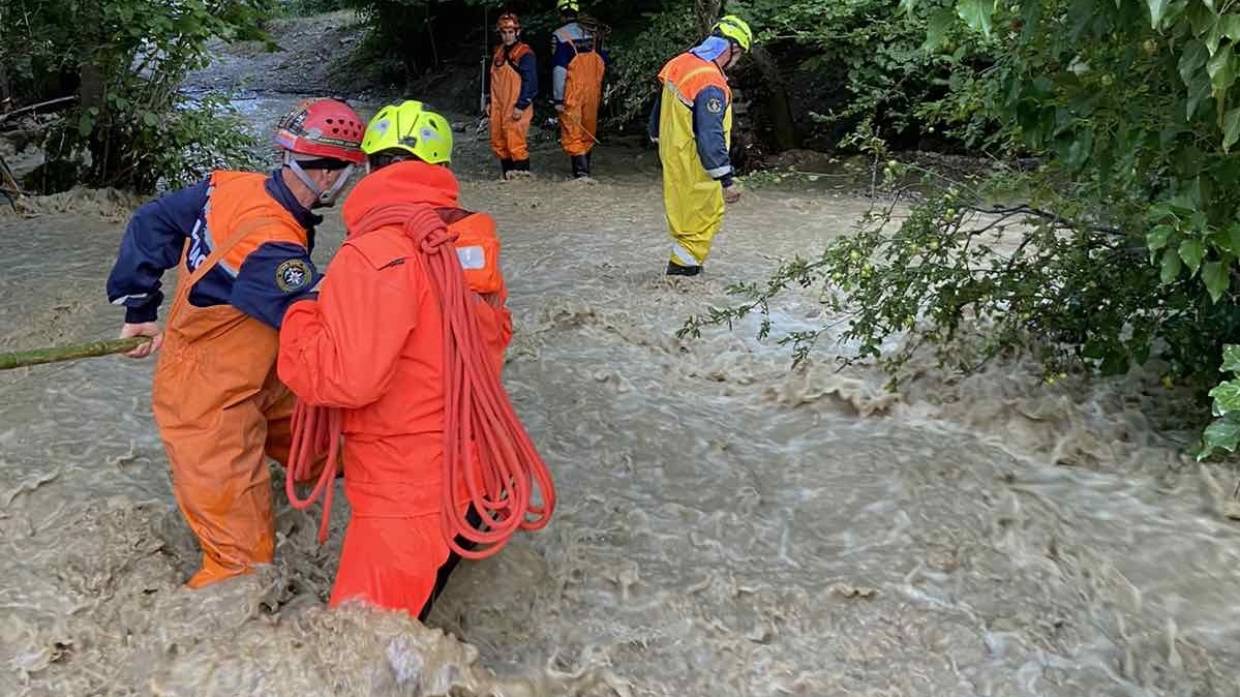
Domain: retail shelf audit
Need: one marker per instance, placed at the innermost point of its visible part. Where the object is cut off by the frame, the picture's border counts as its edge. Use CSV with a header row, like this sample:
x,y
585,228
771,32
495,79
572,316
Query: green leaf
x,y
150,119
1214,37
1158,8
1222,71
1188,195
976,13
1080,150
1229,24
1094,349
1224,434
1192,59
1198,91
1200,19
1192,251
1216,278
1231,359
1158,236
85,124
1226,397
1170,266
907,6
1233,238
1231,128
937,25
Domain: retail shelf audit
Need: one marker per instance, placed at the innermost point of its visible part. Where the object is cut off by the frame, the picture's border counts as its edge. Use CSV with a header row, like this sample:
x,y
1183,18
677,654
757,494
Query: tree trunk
x,y
707,12
6,98
777,107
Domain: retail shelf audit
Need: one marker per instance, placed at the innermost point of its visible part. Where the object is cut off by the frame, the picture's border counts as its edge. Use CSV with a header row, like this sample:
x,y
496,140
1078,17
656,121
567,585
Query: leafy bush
x,y
639,55
1122,242
125,60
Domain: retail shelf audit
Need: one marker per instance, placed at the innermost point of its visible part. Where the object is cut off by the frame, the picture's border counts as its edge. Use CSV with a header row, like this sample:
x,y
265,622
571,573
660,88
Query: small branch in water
x,y
35,107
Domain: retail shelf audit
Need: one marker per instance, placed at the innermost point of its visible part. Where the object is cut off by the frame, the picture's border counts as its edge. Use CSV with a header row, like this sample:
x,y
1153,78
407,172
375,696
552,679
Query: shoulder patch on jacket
x,y
293,275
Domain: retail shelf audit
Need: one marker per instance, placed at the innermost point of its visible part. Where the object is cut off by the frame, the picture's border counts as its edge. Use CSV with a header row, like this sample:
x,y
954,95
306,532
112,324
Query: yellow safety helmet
x,y
568,5
411,127
736,29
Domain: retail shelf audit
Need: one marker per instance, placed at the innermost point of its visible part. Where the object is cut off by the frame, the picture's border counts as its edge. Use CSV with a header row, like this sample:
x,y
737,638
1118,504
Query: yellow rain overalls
x,y
692,194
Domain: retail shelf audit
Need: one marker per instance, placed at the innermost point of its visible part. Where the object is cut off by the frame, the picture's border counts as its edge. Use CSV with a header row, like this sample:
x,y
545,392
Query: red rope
x,y
477,412
315,430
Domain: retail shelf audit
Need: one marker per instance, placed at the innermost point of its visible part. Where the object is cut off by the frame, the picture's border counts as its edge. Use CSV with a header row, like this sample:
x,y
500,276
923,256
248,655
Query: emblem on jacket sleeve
x,y
292,275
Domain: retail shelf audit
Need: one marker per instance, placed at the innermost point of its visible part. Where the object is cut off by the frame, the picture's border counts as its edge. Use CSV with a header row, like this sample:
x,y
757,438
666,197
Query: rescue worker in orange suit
x,y
372,344
513,86
692,123
578,66
241,242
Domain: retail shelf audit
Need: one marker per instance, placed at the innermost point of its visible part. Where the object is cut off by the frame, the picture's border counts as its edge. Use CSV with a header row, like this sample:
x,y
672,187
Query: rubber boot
x,y
521,168
581,166
674,269
505,166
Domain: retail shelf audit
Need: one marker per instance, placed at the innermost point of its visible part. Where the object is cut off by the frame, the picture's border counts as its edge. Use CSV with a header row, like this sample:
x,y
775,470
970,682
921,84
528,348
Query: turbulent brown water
x,y
726,526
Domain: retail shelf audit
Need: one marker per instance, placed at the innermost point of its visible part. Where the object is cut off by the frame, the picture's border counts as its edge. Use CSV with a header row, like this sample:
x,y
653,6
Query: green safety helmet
x,y
568,6
736,29
411,127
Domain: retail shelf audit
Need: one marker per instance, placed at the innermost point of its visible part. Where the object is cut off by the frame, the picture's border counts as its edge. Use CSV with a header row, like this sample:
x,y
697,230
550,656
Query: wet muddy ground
x,y
727,526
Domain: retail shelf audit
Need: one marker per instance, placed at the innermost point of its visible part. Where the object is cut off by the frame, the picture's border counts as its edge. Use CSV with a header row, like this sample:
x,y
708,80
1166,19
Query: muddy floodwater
x,y
726,526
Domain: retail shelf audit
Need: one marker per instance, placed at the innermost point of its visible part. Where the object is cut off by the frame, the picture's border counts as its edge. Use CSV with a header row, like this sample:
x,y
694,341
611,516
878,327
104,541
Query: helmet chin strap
x,y
326,198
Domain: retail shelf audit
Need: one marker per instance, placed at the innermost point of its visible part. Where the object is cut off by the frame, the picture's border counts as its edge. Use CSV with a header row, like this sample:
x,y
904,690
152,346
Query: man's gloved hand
x,y
731,193
517,113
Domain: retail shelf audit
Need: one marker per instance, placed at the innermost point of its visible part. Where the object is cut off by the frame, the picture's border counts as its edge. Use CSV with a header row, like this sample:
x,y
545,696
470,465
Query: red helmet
x,y
325,128
508,20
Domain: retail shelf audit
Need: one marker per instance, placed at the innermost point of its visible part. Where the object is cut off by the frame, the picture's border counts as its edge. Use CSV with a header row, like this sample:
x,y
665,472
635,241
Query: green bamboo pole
x,y
72,352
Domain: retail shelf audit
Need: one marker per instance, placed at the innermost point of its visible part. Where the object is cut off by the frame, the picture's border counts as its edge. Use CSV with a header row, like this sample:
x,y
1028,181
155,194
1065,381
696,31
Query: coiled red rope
x,y
316,430
477,412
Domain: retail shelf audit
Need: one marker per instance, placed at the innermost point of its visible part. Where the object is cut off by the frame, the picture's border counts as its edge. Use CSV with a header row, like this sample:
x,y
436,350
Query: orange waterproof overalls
x,y
508,137
373,345
220,407
583,93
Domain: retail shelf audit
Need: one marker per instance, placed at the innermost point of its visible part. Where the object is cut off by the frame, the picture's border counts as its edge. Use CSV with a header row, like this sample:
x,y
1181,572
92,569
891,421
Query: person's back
x,y
373,345
578,66
391,383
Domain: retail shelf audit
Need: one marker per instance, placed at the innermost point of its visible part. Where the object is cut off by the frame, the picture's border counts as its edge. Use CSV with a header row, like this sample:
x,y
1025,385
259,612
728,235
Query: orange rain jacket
x,y
372,344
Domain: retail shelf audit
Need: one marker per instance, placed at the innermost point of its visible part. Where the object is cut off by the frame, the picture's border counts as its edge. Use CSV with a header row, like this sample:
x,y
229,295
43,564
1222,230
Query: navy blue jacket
x,y
527,67
269,279
709,108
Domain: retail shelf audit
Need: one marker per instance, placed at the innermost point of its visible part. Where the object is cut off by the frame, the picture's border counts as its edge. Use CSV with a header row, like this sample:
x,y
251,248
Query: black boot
x,y
581,166
521,166
674,269
589,162
505,166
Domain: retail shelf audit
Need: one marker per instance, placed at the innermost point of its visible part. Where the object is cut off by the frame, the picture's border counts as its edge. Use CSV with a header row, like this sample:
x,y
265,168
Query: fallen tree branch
x,y
35,107
57,354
